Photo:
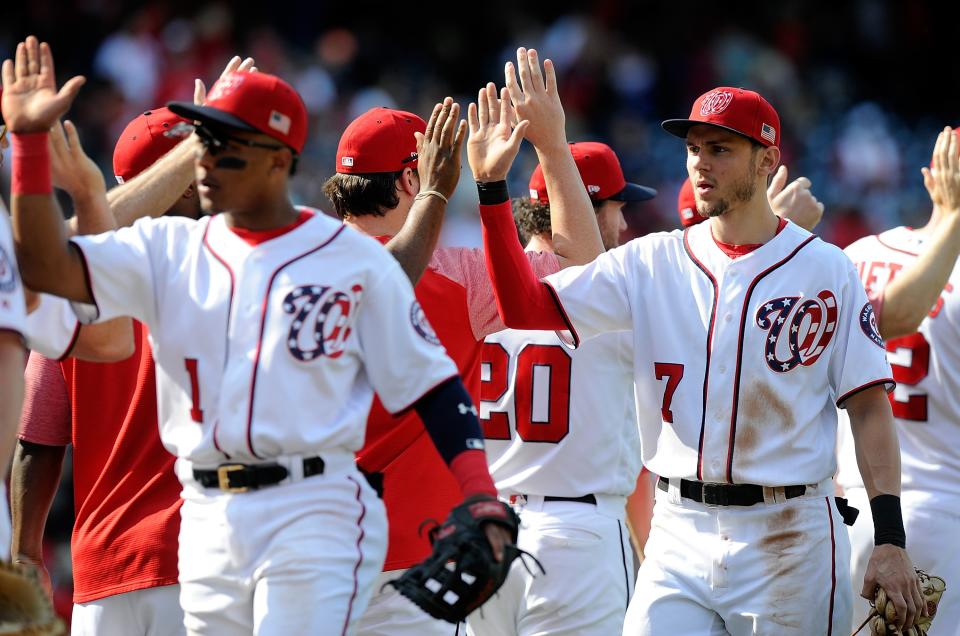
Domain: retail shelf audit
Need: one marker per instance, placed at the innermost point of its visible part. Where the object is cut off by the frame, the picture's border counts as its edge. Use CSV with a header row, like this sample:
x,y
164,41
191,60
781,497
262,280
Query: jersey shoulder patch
x,y
868,324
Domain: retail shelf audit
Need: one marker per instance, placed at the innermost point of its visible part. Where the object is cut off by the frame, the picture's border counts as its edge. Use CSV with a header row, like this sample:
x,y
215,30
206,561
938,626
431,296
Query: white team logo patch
x,y
279,122
322,320
715,103
346,161
593,189
810,325
8,273
868,324
225,86
421,325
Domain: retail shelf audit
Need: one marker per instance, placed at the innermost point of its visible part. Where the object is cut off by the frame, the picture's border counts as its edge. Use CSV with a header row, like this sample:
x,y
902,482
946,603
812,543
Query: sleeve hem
x,y
889,382
70,345
412,403
88,279
566,319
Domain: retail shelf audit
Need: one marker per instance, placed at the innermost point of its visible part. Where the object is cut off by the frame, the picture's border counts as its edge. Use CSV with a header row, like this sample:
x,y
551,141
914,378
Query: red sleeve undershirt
x,y
524,301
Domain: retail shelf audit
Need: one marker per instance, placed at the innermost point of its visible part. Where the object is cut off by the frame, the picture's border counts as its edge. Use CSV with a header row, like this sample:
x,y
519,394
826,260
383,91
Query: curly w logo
x,y
322,318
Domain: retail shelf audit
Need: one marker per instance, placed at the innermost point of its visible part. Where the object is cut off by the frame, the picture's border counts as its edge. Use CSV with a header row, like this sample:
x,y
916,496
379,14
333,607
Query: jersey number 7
x,y
542,377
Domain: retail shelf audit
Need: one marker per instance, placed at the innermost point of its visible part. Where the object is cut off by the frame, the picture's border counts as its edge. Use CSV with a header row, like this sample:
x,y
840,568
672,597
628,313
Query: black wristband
x,y
888,521
492,192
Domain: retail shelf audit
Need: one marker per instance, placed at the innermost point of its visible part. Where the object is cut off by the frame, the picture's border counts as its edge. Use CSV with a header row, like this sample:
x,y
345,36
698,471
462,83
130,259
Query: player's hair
x,y
363,194
533,218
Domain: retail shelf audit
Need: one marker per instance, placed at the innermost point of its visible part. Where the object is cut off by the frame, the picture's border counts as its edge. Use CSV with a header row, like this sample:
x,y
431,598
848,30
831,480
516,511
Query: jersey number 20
x,y
535,364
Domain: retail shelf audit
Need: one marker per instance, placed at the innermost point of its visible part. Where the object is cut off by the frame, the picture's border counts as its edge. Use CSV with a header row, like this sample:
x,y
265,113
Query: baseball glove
x,y
883,617
461,573
24,607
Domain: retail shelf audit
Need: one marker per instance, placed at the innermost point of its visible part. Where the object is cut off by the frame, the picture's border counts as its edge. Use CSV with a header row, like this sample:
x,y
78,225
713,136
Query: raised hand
x,y
31,101
439,149
536,99
73,171
944,184
494,142
795,201
235,65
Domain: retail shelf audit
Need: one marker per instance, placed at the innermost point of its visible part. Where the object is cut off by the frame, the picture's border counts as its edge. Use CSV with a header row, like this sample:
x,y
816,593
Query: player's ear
x,y
768,161
409,182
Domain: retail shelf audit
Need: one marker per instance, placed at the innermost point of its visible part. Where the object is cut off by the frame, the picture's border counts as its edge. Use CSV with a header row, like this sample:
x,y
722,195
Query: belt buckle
x,y
223,477
715,495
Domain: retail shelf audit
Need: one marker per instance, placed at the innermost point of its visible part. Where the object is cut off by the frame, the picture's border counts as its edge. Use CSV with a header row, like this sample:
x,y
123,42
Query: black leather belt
x,y
587,499
244,477
727,494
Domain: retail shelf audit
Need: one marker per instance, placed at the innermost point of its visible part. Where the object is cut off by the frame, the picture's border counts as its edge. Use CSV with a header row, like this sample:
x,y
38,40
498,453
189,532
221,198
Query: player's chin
x,y
208,203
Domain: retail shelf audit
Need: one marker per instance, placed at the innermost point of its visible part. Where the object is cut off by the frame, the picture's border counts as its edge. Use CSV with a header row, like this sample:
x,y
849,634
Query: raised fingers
x,y
21,60
450,125
73,138
536,77
9,74
492,103
33,55
473,118
506,109
551,76
523,66
231,66
510,80
432,122
483,107
246,66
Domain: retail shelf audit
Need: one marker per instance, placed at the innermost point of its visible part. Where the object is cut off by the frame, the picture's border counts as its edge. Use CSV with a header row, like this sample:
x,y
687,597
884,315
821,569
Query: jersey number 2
x,y
196,413
548,359
917,347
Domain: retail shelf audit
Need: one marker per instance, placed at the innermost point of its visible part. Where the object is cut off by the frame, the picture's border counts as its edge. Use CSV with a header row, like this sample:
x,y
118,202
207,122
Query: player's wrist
x,y
31,172
493,192
888,521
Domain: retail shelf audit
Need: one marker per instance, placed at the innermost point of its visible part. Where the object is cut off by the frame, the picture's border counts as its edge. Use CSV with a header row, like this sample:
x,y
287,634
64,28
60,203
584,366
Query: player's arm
x,y
438,164
31,105
76,174
794,202
522,300
44,433
878,457
910,295
11,392
576,235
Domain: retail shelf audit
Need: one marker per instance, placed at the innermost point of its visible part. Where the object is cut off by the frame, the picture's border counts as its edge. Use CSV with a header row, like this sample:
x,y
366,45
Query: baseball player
x,y
562,442
126,494
747,336
914,280
379,180
270,327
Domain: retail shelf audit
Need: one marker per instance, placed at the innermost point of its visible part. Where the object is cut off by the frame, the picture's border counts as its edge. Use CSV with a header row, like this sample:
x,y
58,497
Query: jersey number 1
x,y
196,413
548,359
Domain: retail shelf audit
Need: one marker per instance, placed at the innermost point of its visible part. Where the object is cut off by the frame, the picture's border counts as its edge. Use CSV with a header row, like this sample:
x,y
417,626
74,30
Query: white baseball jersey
x,y
926,366
52,328
557,421
266,350
738,363
12,305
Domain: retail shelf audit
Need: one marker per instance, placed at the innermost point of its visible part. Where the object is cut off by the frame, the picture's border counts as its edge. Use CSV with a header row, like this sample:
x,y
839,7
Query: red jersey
x,y
126,495
457,298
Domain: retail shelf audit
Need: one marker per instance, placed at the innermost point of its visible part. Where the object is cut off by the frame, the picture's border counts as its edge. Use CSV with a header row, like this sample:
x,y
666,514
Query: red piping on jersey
x,y
850,393
226,330
706,373
895,249
263,324
356,568
833,569
563,313
86,276
72,344
743,324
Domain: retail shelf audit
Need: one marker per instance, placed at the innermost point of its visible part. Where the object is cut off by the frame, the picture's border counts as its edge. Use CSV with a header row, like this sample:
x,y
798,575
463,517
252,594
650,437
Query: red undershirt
x,y
735,251
256,237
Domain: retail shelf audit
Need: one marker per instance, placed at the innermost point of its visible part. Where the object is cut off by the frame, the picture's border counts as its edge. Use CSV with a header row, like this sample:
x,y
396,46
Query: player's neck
x,y
540,243
263,217
372,225
936,216
748,224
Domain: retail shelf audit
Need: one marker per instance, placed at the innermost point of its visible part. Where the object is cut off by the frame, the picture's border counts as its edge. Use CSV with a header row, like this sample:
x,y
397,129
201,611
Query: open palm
x,y
494,141
31,101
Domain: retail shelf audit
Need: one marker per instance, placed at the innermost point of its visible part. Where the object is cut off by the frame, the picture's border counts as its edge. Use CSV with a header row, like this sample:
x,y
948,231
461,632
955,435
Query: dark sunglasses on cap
x,y
216,140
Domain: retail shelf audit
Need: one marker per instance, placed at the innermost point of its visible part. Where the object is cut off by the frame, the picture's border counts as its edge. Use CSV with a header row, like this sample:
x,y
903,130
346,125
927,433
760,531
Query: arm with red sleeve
x,y
524,301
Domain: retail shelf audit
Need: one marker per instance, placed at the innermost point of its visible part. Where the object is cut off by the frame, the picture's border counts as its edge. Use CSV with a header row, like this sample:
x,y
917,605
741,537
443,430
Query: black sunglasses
x,y
215,141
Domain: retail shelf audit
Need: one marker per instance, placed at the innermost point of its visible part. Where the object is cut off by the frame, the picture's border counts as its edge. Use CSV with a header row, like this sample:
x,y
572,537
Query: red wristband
x,y
471,472
30,172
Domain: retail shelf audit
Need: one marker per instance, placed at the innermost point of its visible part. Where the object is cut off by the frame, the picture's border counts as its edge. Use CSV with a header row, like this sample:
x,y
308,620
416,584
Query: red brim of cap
x,y
634,192
680,128
209,115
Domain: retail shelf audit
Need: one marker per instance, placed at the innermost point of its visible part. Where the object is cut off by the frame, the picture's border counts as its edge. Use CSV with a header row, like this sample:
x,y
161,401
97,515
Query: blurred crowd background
x,y
862,87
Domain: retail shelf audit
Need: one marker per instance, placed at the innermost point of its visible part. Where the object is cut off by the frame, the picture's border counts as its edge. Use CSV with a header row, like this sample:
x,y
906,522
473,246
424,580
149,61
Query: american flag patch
x,y
768,133
281,123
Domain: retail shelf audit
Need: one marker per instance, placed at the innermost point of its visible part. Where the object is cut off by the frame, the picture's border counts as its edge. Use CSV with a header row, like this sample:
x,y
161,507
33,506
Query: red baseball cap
x,y
736,109
146,139
255,102
380,140
601,174
687,206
